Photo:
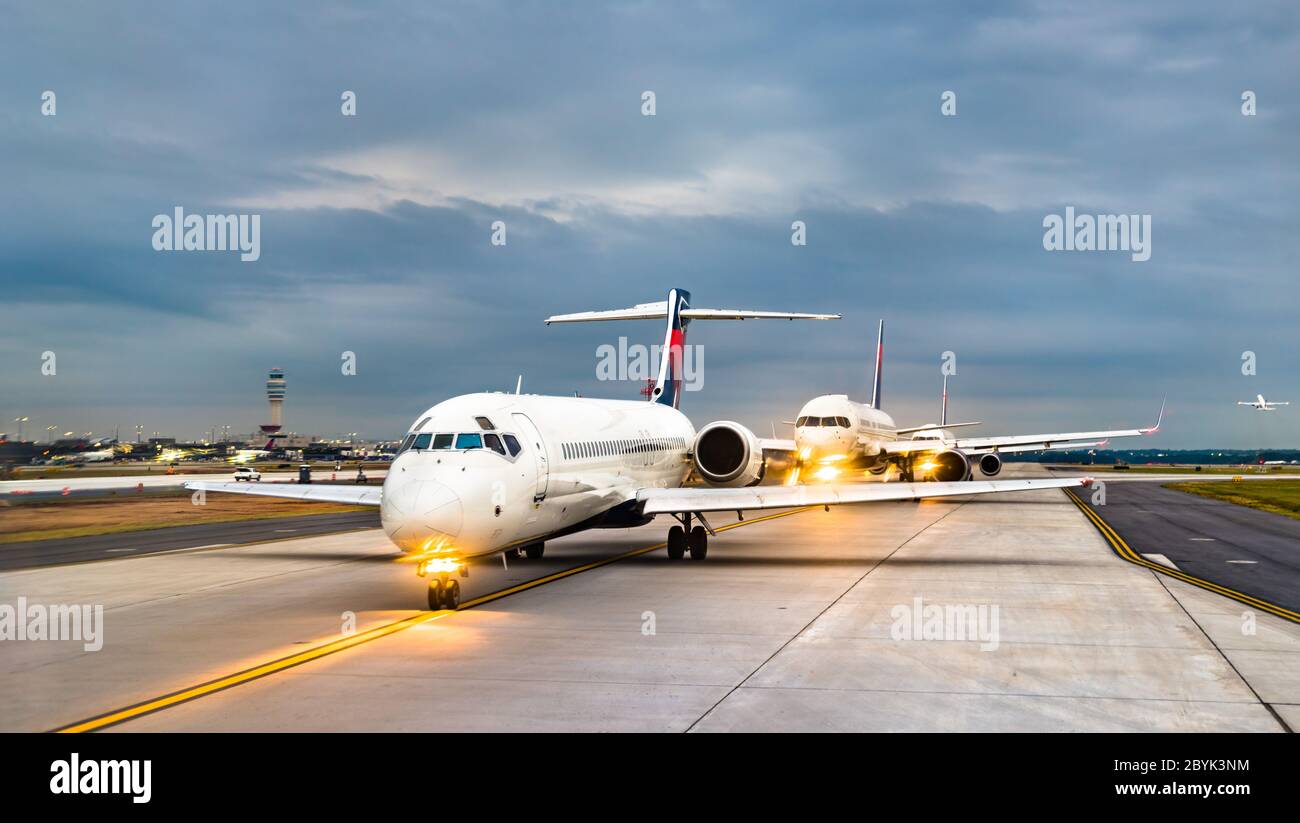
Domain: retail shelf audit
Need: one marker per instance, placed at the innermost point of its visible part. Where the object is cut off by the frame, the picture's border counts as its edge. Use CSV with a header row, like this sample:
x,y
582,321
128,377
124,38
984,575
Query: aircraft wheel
x,y
535,550
451,595
676,543
435,595
699,543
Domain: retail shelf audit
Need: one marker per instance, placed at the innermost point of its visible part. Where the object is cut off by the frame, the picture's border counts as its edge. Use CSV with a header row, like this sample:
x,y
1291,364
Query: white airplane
x,y
94,456
833,433
486,473
1260,404
97,456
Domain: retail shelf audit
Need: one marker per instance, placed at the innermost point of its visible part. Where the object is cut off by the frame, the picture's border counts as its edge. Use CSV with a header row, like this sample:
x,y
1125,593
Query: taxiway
x,y
791,624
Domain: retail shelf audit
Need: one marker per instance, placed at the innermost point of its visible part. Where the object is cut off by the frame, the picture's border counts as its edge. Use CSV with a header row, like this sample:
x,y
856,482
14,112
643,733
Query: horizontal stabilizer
x,y
659,311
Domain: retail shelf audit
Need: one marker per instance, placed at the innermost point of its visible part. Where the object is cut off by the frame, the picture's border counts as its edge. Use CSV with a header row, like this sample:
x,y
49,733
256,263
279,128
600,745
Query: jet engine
x,y
990,464
948,466
728,454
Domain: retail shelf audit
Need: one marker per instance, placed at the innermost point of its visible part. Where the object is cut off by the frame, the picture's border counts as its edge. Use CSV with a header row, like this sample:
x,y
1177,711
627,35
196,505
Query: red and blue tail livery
x,y
668,383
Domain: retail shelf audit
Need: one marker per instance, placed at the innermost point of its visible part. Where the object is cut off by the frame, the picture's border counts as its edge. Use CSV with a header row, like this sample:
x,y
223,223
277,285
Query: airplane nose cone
x,y
421,514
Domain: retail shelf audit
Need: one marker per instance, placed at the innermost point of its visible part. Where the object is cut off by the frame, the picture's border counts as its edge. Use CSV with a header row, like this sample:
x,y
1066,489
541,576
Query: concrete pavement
x,y
789,625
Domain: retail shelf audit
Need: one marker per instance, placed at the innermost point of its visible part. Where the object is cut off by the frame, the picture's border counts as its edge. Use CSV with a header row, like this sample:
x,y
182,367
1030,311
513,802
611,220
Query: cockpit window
x,y
442,441
469,441
406,444
420,425
422,441
512,443
842,422
494,443
802,421
484,423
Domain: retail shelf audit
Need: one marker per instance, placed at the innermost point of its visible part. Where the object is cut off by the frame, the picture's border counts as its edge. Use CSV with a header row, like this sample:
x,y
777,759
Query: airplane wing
x,y
776,444
1018,442
929,426
1036,447
1009,443
320,493
691,499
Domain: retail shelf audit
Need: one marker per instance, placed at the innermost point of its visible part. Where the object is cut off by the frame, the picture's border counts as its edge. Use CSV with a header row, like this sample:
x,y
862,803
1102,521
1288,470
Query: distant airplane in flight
x,y
1260,404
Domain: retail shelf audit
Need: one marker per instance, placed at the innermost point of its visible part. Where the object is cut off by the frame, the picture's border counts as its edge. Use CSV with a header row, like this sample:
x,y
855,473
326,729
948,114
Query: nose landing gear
x,y
444,592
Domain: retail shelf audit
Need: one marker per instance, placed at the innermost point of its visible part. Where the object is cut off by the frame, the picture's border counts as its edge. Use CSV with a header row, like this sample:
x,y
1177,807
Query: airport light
x,y
20,421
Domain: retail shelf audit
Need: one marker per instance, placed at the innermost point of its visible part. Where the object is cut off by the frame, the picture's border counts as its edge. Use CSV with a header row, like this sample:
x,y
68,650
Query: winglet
x,y
1159,418
876,395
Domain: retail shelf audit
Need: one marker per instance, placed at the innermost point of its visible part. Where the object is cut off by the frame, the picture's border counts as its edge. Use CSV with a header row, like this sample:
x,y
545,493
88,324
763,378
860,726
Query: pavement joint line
x,y
1044,696
262,670
1124,552
1272,711
182,550
822,612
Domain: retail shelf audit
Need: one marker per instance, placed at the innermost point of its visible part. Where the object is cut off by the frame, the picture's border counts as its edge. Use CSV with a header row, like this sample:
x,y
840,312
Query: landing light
x,y
438,565
927,466
828,473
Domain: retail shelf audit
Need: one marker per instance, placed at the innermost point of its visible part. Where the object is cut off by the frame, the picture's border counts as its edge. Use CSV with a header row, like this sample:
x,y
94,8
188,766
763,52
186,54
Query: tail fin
x,y
677,309
943,413
668,383
876,396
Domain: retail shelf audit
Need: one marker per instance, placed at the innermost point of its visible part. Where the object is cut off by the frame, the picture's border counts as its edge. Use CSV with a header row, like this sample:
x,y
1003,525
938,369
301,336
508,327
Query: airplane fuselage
x,y
835,425
484,472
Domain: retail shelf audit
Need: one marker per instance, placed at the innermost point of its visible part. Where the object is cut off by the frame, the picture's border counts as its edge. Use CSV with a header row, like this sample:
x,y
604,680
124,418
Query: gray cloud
x,y
375,228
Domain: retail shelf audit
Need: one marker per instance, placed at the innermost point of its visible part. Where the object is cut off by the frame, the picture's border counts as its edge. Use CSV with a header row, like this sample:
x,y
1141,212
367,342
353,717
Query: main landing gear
x,y
905,473
444,592
685,538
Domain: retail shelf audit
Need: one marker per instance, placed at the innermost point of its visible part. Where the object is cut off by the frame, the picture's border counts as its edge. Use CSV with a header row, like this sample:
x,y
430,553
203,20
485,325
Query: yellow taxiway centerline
x,y
1125,552
333,647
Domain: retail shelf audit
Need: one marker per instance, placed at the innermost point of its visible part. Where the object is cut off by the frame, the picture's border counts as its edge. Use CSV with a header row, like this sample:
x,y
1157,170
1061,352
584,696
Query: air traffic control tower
x,y
275,396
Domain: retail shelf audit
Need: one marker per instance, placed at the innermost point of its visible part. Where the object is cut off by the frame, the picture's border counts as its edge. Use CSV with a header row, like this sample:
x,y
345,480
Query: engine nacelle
x,y
728,454
990,464
949,466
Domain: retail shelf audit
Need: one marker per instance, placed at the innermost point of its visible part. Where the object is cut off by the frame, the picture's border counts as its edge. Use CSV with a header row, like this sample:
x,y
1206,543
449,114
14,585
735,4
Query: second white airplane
x,y
834,434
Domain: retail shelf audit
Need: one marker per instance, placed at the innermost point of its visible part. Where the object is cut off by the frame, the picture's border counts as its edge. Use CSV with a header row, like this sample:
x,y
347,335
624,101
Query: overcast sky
x,y
376,228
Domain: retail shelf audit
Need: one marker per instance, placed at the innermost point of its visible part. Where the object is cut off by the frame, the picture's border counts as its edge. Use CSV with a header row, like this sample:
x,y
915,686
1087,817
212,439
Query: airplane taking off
x,y
833,432
1260,404
486,473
